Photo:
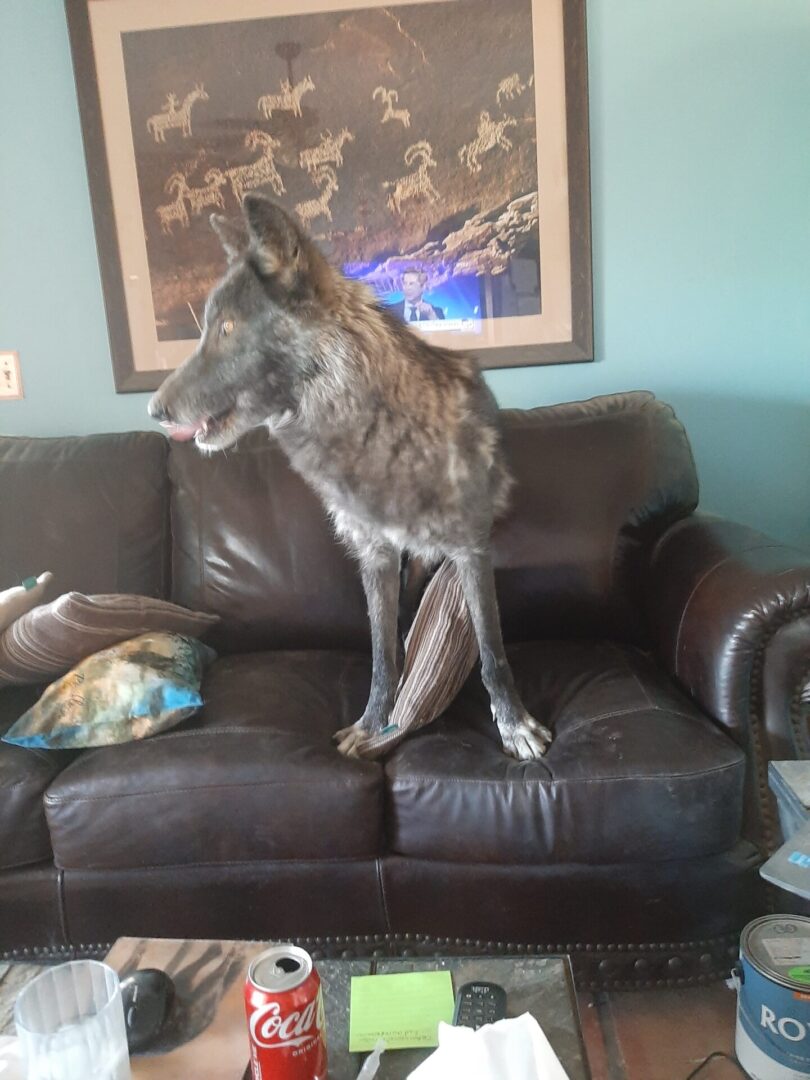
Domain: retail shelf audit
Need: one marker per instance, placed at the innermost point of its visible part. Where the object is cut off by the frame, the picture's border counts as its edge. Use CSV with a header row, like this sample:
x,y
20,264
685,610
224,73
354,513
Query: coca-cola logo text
x,y
270,1029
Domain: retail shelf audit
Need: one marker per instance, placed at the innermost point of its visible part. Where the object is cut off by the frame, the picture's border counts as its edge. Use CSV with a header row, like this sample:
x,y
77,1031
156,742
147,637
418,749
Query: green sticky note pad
x,y
405,1010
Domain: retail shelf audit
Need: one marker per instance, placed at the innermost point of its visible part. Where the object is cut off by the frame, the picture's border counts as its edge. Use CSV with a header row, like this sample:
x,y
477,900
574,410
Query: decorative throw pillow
x,y
53,638
440,652
135,689
15,601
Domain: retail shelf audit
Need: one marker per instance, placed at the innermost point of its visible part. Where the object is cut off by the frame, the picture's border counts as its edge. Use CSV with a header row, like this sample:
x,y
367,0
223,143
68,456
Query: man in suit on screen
x,y
413,308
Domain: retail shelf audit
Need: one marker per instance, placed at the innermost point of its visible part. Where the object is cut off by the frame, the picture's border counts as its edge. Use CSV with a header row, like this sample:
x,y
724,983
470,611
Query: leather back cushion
x,y
93,509
252,543
597,483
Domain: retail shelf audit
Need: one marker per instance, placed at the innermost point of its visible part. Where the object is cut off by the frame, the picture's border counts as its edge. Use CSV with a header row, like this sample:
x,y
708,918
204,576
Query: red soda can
x,y
284,1006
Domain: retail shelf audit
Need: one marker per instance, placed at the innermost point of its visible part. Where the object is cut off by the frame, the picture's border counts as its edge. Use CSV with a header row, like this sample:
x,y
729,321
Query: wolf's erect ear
x,y
232,235
274,239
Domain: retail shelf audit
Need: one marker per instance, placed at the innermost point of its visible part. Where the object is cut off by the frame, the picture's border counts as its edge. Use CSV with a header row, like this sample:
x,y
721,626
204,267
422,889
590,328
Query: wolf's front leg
x,y
522,736
380,573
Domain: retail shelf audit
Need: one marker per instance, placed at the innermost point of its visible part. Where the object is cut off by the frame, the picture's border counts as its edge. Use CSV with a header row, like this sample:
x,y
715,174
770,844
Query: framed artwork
x,y
436,150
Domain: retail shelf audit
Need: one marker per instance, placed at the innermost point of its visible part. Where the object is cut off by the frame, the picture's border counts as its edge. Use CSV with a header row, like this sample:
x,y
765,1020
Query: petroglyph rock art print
x,y
415,185
289,100
175,210
308,211
329,150
490,134
512,87
174,115
244,178
391,113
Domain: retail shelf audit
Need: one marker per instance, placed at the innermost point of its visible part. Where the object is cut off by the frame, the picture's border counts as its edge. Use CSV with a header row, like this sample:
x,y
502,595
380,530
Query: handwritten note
x,y
405,1010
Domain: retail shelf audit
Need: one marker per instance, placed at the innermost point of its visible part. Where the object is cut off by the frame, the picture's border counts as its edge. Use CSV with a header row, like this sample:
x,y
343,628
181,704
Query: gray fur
x,y
399,438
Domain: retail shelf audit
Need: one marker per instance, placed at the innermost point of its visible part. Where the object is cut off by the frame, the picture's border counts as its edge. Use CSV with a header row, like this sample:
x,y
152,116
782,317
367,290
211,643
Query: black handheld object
x,y
147,996
479,1003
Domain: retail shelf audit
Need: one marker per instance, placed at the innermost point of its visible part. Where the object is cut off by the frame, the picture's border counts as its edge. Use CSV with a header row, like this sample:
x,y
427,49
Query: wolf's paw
x,y
524,738
353,739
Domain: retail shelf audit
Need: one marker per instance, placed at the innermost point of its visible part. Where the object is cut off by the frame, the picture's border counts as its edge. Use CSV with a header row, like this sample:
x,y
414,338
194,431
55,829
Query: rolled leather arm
x,y
729,612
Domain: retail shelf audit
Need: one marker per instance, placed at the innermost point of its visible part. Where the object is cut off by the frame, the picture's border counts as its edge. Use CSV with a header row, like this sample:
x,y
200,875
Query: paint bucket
x,y
773,1004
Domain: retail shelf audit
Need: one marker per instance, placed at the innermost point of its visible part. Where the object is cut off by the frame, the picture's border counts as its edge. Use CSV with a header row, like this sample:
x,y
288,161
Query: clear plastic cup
x,y
70,1022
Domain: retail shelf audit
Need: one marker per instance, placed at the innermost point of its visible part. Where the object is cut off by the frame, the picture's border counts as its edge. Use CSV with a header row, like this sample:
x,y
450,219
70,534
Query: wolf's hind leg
x,y
522,736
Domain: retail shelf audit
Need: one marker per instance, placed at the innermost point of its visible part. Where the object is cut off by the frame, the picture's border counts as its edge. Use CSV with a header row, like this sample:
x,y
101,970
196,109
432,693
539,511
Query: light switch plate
x,y
10,379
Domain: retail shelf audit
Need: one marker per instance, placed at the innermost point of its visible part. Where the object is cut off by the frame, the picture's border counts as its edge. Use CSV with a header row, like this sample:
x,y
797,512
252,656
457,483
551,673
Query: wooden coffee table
x,y
207,1035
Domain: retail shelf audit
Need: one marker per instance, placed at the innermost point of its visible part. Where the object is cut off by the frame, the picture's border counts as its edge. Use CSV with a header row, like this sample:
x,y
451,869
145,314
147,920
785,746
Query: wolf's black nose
x,y
157,410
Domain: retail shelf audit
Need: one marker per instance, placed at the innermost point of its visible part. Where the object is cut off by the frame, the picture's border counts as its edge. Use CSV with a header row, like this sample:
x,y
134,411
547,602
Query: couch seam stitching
x,y
402,781
383,896
625,661
695,718
69,800
314,860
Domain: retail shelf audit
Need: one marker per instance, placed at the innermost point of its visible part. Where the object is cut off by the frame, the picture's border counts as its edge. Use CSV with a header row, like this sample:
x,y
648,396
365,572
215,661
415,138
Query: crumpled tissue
x,y
11,1063
515,1049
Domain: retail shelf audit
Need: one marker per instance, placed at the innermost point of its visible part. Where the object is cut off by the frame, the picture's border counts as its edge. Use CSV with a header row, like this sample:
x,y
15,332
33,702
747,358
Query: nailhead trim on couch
x,y
596,967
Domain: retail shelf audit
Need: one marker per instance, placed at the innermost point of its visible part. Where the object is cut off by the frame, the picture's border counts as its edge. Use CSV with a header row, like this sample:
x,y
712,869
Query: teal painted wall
x,y
701,240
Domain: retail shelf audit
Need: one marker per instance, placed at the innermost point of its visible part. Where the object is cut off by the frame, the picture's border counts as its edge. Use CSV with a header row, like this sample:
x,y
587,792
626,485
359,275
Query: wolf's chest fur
x,y
402,447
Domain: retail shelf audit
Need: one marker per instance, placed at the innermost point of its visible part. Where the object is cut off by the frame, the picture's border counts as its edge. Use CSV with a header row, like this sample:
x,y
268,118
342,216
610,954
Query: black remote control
x,y
479,1003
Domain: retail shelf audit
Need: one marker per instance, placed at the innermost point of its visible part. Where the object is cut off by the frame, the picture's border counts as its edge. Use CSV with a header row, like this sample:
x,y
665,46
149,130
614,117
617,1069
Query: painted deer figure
x,y
416,184
173,117
289,100
175,210
210,195
329,150
511,87
389,97
490,134
326,179
244,178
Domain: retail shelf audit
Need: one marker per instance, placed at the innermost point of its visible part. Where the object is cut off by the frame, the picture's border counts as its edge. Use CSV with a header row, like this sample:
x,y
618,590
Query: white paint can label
x,y
773,1007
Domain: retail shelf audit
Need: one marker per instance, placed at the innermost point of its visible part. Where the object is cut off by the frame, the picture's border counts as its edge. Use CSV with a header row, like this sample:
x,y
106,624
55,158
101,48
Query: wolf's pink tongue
x,y
181,432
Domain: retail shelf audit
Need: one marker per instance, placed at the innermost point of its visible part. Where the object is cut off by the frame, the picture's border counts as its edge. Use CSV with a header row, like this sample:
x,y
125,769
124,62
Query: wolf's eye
x,y
226,327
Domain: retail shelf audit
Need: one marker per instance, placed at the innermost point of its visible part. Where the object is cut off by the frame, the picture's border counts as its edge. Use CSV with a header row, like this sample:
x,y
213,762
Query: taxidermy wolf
x,y
399,438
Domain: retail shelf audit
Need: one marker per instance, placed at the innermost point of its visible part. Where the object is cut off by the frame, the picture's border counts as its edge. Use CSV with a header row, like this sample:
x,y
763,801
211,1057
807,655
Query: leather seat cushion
x,y
24,777
635,772
254,776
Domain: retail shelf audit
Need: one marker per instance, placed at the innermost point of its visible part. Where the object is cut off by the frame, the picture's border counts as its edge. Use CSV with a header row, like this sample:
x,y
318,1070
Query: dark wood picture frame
x,y
128,378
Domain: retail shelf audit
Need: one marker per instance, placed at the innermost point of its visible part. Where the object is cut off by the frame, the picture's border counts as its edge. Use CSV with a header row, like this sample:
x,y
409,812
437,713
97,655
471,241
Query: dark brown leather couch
x,y
667,650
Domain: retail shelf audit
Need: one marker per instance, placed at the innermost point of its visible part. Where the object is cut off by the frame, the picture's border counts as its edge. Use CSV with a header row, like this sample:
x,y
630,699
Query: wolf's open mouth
x,y
213,425
201,430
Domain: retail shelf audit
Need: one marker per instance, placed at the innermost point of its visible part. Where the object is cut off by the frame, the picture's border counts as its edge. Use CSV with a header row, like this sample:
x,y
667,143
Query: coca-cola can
x,y
284,1006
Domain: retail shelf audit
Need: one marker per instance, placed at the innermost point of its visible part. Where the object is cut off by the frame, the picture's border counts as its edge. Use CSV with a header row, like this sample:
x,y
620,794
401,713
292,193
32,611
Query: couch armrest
x,y
729,613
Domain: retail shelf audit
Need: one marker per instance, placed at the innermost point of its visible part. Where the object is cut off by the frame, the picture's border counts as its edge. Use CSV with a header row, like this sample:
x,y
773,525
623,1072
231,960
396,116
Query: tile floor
x,y
659,1034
